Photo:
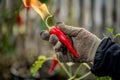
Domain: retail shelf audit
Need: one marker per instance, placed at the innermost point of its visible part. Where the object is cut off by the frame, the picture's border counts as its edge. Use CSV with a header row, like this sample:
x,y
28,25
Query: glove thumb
x,y
68,30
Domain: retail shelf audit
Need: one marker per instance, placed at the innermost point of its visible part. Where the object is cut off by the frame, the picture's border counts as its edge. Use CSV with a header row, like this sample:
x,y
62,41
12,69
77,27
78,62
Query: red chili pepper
x,y
27,4
19,20
62,37
54,63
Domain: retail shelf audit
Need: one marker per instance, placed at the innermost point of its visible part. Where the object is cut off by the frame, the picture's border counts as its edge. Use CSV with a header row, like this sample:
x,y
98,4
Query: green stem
x,y
91,63
77,71
70,70
64,68
46,22
83,76
50,58
85,64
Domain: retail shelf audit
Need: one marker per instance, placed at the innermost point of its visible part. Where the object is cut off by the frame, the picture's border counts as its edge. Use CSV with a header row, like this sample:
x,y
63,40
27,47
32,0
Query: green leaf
x,y
110,30
102,78
118,34
38,64
44,1
104,35
70,63
42,25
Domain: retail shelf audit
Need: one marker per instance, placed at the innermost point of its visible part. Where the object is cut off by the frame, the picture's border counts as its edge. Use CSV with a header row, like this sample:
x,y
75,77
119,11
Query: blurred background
x,y
20,44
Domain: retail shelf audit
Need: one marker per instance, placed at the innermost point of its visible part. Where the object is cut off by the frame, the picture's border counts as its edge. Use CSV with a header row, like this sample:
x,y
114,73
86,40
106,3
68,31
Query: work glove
x,y
84,42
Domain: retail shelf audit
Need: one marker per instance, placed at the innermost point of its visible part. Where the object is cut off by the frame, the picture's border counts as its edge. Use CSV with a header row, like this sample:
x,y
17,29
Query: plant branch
x,y
83,76
77,71
64,68
85,64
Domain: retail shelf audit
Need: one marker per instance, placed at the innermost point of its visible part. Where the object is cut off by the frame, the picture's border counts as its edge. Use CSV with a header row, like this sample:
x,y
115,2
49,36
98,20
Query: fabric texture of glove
x,y
84,42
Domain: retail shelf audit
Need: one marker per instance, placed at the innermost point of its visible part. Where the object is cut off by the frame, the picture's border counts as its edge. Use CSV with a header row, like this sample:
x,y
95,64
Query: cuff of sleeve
x,y
99,66
93,49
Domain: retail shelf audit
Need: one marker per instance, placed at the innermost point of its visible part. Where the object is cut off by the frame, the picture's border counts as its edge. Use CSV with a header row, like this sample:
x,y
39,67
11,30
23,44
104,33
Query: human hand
x,y
84,42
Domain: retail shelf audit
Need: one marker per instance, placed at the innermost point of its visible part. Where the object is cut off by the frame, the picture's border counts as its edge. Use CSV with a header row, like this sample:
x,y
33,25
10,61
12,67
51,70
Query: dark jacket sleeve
x,y
107,59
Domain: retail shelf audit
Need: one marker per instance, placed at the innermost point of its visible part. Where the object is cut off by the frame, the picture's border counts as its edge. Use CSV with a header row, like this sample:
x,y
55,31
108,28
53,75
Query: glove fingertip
x,y
68,30
44,35
61,57
60,25
63,27
53,39
59,22
58,46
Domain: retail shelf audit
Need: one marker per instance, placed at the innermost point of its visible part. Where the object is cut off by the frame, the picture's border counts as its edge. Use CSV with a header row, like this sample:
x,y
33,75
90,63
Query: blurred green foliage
x,y
103,78
44,1
7,45
37,65
111,33
8,17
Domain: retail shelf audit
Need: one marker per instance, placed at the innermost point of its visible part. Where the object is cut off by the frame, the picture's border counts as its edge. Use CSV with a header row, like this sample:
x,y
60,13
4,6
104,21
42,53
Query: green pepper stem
x,y
46,22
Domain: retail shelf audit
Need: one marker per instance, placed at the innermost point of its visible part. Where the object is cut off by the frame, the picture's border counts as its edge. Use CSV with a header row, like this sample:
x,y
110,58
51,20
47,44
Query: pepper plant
x,y
42,59
42,10
38,64
111,33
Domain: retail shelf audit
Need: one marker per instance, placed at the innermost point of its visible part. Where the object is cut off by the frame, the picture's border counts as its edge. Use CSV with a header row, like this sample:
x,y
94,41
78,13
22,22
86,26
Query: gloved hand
x,y
84,42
